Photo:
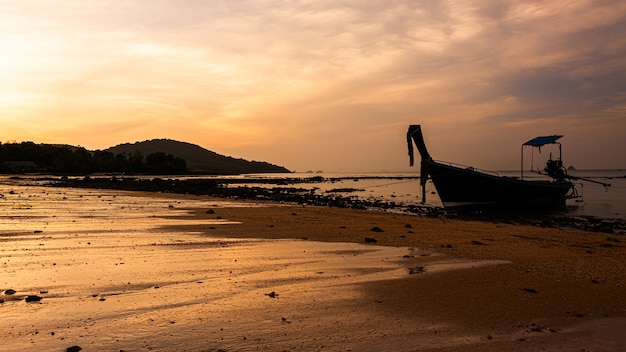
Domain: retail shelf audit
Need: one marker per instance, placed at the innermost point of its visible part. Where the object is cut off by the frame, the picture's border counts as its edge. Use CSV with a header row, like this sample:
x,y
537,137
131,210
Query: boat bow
x,y
414,135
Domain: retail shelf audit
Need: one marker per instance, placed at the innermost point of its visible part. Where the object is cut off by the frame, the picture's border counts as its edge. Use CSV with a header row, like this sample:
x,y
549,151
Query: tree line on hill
x,y
65,159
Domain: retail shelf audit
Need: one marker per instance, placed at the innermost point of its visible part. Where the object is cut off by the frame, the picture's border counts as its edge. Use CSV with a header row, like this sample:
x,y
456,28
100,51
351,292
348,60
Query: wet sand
x,y
136,272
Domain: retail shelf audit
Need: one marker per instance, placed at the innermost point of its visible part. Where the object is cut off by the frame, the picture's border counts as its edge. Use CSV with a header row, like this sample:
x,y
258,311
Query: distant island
x,y
157,156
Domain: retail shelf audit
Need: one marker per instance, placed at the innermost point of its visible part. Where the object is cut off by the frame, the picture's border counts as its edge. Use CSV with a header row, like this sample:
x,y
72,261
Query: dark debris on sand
x,y
272,294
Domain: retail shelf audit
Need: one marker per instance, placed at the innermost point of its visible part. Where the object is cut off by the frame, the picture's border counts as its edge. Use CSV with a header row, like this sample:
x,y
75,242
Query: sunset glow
x,y
319,85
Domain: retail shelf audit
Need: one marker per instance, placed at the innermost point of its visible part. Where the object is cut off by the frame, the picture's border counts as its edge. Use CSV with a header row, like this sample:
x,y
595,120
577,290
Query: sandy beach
x,y
114,270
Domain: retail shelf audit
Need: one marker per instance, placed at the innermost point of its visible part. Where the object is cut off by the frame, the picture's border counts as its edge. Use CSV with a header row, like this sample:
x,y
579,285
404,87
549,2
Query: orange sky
x,y
319,85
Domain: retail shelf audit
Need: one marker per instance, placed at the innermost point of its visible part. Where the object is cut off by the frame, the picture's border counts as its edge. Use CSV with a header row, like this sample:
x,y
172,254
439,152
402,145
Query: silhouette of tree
x,y
58,159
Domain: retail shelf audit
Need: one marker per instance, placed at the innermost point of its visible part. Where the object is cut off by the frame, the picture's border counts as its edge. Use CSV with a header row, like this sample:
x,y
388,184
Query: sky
x,y
320,85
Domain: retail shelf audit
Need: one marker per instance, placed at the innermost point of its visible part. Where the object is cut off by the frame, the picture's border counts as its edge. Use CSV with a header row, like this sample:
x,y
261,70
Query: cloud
x,y
335,81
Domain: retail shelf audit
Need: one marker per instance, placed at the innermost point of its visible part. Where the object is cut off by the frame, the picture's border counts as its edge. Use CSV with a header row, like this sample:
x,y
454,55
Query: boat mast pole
x,y
522,164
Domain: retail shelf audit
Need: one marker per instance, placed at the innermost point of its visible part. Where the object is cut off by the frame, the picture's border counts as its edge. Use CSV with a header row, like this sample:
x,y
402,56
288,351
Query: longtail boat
x,y
461,186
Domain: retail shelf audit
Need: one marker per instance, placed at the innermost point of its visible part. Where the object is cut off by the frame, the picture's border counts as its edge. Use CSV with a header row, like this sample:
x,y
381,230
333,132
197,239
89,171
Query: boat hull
x,y
459,187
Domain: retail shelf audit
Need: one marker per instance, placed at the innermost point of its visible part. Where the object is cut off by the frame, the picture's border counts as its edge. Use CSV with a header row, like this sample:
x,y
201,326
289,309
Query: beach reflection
x,y
111,275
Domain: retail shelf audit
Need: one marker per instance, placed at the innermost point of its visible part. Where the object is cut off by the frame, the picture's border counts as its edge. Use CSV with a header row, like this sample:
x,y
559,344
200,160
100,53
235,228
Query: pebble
x,y
33,298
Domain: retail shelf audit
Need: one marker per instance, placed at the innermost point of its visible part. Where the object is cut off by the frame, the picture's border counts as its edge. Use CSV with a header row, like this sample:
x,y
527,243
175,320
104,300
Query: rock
x,y
73,349
529,290
9,292
376,229
272,294
417,270
33,298
370,240
478,243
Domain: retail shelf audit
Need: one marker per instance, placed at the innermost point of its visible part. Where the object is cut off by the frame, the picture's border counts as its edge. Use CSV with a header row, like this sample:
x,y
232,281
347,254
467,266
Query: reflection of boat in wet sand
x,y
460,186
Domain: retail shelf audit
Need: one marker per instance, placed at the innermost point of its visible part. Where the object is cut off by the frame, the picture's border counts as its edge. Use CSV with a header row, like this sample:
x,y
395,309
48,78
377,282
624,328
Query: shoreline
x,y
547,288
283,193
217,188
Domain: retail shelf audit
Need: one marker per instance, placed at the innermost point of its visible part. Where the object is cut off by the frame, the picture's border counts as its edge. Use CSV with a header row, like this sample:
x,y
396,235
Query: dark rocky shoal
x,y
282,192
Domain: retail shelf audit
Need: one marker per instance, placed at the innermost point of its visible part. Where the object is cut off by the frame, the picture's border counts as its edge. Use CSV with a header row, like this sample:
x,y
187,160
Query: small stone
x,y
33,298
10,292
529,290
73,349
376,229
370,240
417,270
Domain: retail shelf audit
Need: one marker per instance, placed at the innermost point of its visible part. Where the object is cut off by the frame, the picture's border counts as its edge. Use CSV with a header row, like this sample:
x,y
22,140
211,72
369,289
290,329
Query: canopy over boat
x,y
541,141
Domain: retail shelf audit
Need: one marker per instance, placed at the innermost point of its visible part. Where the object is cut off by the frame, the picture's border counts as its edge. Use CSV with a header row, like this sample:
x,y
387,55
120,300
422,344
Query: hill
x,y
198,159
